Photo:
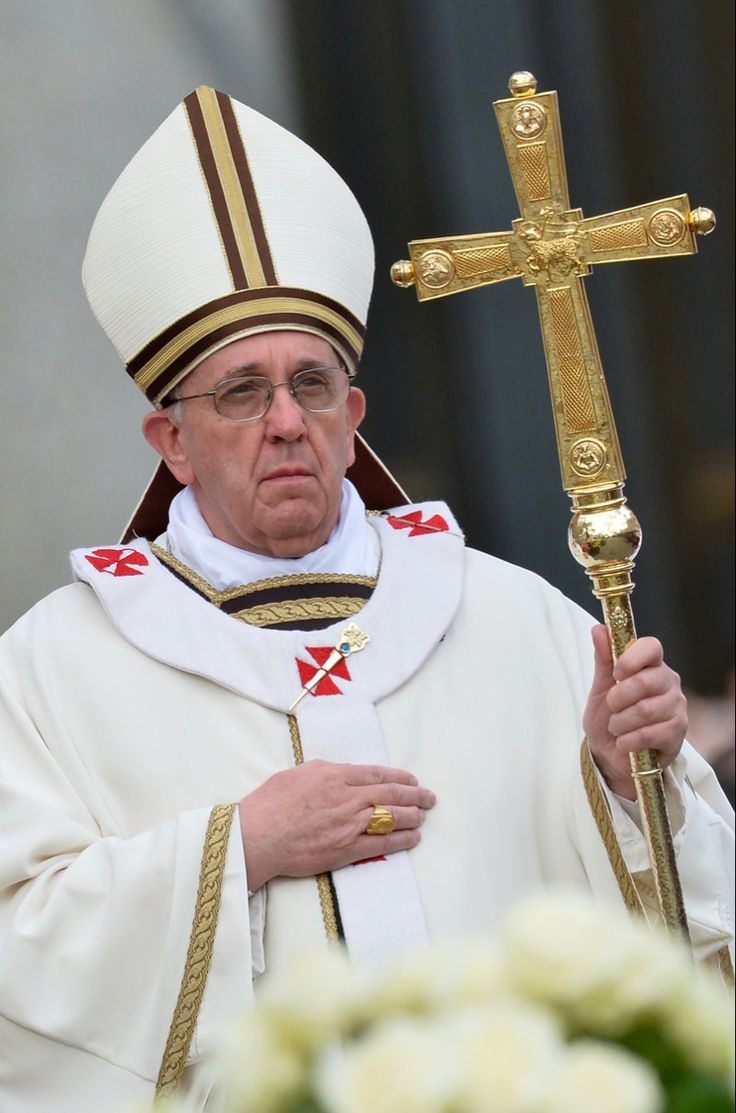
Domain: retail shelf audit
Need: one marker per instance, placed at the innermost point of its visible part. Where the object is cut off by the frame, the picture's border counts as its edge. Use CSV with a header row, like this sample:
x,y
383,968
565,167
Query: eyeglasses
x,y
318,390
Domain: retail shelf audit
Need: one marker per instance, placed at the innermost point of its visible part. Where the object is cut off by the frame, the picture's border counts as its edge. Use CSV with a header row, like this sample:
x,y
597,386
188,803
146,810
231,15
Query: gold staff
x,y
551,247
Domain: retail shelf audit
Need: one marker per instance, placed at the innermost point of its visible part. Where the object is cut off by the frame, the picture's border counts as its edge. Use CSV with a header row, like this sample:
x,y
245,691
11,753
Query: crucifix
x,y
552,247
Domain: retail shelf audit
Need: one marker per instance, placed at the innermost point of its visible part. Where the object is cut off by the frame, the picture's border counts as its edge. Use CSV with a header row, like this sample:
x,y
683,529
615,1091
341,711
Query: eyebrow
x,y
256,367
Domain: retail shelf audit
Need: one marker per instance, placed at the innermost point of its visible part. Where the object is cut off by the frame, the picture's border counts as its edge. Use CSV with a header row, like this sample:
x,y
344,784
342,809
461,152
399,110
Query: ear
x,y
163,434
355,411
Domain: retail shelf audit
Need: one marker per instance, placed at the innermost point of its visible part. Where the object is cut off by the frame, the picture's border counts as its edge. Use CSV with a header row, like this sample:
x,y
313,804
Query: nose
x,y
284,418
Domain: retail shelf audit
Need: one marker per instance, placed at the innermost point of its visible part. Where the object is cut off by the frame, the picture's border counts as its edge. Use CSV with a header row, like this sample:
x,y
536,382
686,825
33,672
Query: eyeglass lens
x,y
318,389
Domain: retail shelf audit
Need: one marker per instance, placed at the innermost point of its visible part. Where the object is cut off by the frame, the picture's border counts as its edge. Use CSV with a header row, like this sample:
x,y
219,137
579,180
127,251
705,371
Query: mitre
x,y
223,225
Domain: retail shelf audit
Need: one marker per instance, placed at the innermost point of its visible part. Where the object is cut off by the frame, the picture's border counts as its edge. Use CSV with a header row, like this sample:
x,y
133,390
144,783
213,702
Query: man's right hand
x,y
313,818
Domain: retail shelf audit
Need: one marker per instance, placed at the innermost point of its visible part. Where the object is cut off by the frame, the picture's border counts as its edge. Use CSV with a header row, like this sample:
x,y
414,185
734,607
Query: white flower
x,y
603,1078
560,948
604,969
398,1066
261,1073
701,1022
433,979
506,1055
311,1000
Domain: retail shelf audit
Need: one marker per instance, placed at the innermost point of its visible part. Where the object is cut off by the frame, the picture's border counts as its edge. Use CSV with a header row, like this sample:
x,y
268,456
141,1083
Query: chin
x,y
296,534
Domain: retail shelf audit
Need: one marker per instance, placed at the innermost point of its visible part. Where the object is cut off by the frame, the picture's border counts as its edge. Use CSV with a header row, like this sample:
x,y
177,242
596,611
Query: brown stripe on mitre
x,y
245,178
184,344
214,187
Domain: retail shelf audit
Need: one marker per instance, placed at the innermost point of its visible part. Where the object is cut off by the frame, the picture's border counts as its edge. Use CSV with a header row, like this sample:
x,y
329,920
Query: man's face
x,y
271,486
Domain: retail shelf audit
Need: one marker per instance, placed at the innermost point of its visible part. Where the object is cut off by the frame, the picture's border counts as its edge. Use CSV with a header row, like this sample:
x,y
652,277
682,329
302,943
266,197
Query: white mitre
x,y
221,226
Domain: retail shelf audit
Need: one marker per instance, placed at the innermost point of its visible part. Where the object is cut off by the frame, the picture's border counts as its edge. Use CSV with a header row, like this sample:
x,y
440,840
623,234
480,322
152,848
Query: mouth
x,y
286,475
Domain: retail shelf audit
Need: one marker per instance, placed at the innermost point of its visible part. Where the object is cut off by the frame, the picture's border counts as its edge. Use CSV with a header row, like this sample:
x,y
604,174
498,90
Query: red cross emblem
x,y
416,524
117,562
326,686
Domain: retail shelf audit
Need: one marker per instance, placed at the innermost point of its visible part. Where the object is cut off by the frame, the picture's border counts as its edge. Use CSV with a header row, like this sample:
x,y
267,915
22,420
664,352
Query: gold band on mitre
x,y
169,357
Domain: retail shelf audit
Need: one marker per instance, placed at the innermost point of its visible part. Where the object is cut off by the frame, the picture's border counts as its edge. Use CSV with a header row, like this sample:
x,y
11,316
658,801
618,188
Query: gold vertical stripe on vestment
x,y
327,904
199,952
230,182
603,821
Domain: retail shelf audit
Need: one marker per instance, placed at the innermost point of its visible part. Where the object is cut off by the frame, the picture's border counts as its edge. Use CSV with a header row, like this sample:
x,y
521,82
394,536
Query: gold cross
x,y
552,247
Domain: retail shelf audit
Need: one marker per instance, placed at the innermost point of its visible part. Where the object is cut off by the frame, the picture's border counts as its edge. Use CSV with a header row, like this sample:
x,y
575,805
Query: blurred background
x,y
397,95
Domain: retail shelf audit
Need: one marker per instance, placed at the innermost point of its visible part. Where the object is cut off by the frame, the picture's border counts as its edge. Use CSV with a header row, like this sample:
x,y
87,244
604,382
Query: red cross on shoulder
x,y
117,562
416,523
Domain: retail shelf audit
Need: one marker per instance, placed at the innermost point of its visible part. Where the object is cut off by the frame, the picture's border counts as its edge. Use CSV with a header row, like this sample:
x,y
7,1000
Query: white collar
x,y
349,549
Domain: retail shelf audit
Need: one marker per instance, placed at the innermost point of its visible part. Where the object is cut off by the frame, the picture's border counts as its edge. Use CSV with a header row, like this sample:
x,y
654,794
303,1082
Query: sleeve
x,y
703,835
702,826
96,933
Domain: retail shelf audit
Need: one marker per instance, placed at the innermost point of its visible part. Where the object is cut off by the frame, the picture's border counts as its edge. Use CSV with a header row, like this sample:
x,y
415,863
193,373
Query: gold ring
x,y
381,822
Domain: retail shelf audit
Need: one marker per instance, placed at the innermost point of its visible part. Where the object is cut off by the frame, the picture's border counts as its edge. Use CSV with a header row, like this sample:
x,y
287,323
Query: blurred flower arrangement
x,y
574,1009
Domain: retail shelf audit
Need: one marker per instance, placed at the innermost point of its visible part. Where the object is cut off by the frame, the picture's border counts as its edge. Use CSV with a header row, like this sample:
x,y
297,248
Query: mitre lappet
x,y
224,225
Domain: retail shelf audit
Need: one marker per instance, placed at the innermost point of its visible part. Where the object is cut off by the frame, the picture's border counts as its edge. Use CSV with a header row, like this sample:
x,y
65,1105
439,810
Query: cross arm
x,y
439,267
660,228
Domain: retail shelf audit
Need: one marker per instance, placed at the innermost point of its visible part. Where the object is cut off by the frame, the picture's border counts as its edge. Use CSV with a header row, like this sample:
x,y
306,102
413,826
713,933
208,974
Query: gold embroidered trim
x,y
726,967
199,952
220,597
327,905
602,815
301,579
186,573
323,881
296,742
295,610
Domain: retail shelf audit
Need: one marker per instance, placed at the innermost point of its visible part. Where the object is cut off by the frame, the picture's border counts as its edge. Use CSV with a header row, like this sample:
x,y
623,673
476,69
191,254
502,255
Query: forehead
x,y
267,353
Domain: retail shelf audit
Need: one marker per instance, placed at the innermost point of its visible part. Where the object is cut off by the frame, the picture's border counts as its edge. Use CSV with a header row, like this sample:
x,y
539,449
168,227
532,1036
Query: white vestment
x,y
130,707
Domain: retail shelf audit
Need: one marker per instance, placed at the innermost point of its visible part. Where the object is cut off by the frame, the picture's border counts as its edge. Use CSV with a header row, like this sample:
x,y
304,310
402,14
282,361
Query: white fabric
x,y
159,205
349,550
128,710
319,237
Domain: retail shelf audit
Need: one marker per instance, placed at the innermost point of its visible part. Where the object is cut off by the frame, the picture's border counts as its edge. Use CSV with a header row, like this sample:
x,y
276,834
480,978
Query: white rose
x,y
401,1065
259,1071
560,948
432,979
310,1000
604,1078
701,1022
652,972
506,1055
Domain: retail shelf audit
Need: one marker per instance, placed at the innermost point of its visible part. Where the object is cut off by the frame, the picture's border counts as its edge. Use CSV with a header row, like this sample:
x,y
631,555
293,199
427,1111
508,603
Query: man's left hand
x,y
636,704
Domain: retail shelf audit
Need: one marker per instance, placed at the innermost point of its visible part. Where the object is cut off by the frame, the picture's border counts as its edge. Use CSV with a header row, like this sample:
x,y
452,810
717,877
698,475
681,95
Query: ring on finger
x,y
381,822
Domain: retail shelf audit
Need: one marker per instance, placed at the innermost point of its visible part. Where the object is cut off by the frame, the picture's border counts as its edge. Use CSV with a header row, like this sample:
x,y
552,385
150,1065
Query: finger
x,y
405,795
406,819
645,684
664,738
640,654
377,774
377,846
603,679
646,712
602,660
